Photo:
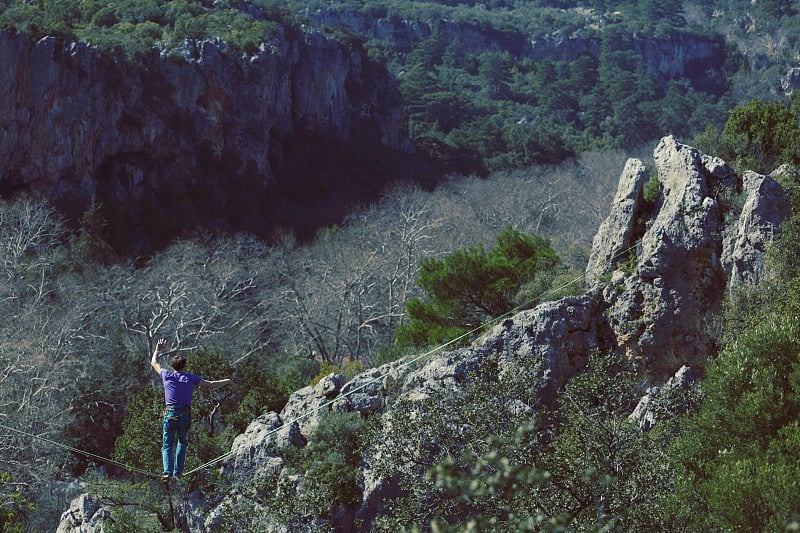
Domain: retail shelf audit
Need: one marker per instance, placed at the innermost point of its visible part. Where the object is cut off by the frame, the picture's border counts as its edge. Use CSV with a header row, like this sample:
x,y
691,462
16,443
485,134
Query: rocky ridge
x,y
659,270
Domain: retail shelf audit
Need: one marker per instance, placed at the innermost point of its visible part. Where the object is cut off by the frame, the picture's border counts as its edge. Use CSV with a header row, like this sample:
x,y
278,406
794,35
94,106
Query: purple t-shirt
x,y
178,386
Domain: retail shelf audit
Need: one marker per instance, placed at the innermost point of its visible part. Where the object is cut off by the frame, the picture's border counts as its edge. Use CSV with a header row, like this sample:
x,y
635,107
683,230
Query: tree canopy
x,y
472,285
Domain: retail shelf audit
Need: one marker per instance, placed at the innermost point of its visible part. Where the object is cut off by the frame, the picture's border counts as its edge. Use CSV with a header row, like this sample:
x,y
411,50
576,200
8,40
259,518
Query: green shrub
x,y
438,449
349,370
330,462
265,387
140,442
14,507
652,189
763,135
583,466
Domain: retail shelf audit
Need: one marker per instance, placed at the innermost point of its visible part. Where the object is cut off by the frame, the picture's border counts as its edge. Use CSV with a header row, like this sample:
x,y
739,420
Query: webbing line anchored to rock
x,y
288,424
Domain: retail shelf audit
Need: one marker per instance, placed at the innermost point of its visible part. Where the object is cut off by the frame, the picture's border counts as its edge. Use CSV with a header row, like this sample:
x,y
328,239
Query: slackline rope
x,y
326,404
81,452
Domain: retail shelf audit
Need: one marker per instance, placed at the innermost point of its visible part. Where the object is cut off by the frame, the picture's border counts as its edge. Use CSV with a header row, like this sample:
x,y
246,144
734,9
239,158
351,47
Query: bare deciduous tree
x,y
346,293
200,293
37,365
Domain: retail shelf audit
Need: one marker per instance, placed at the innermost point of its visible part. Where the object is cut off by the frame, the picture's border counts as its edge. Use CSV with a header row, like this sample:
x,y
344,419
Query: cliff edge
x,y
202,137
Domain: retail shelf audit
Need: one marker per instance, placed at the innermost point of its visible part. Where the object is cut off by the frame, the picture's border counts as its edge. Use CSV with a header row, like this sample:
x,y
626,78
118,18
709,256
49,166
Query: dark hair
x,y
178,362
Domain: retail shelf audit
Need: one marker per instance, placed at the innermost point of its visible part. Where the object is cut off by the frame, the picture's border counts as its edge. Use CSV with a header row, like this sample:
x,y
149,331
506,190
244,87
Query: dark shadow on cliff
x,y
317,181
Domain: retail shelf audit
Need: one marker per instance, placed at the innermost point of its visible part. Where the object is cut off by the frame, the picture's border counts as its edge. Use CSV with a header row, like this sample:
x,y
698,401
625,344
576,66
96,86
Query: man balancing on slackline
x,y
178,388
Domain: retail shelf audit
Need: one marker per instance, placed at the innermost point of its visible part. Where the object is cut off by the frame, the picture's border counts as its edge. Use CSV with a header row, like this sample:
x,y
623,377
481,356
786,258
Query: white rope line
x,y
403,365
79,451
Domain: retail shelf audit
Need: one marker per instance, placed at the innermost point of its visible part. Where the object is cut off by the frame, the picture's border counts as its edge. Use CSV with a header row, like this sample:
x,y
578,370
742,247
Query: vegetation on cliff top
x,y
476,108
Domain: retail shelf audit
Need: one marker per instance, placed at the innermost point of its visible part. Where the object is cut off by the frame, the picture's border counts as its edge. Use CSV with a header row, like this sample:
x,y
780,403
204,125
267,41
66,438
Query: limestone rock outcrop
x,y
86,514
665,272
253,454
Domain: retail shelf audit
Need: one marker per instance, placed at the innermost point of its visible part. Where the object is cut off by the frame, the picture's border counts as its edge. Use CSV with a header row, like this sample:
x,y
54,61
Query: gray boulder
x,y
307,406
86,514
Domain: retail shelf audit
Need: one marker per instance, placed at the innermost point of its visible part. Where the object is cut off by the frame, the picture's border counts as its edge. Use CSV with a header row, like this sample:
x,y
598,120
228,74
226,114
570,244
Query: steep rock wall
x,y
201,130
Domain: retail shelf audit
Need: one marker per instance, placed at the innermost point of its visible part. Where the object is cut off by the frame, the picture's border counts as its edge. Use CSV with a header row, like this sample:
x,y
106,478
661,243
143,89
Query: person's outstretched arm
x,y
154,360
214,384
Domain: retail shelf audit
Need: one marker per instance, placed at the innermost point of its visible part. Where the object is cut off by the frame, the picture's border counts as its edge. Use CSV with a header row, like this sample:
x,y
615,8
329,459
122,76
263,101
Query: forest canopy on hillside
x,y
487,106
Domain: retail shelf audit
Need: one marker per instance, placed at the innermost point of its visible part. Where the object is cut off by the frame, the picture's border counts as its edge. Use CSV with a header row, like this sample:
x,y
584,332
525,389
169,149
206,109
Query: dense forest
x,y
541,143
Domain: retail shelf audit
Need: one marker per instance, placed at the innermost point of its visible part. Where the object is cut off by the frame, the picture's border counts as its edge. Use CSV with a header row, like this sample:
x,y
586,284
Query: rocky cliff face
x,y
203,130
669,57
658,272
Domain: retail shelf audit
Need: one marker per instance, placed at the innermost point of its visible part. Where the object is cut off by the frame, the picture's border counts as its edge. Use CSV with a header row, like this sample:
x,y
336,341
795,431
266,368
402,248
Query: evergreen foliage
x,y
441,451
14,508
606,473
758,136
585,466
139,445
472,285
136,28
329,463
